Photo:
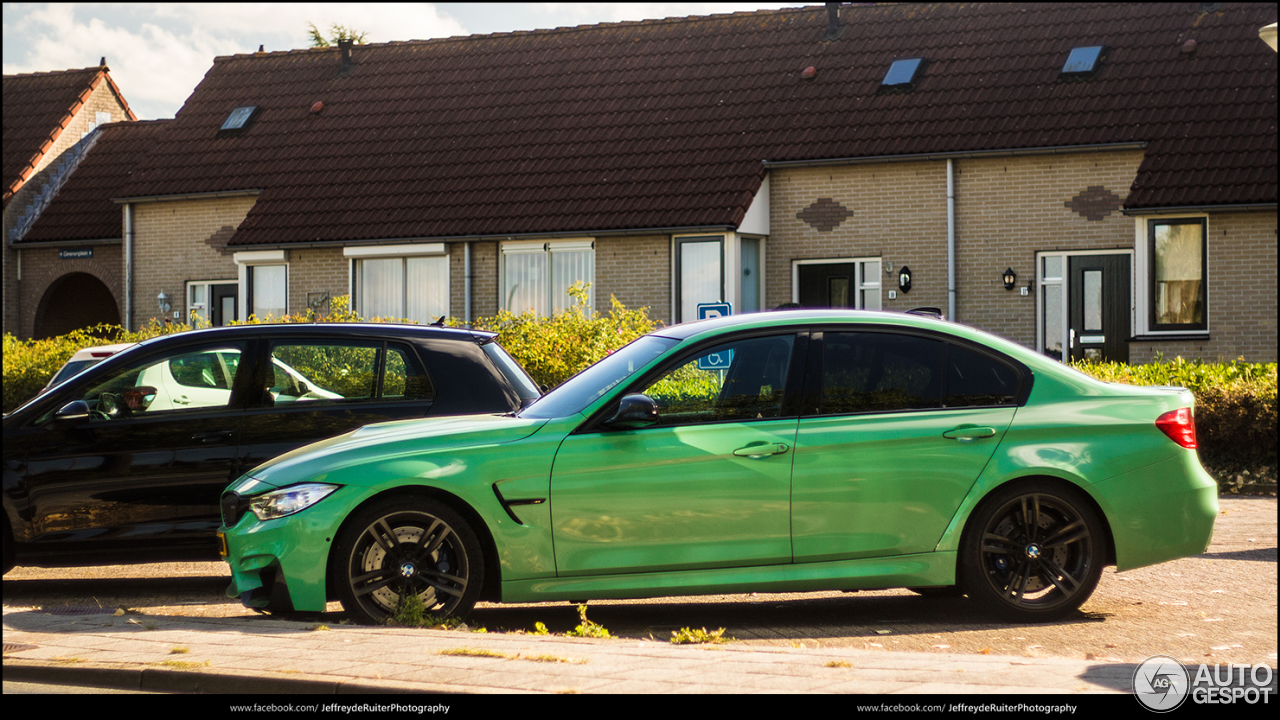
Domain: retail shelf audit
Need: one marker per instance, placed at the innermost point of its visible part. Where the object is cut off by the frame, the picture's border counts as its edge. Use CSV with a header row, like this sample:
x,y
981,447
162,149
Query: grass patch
x,y
474,652
586,628
838,663
184,664
179,650
699,636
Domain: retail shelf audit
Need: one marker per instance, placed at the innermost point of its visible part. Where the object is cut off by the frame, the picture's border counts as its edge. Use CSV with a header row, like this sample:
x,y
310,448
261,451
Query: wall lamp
x,y
164,301
1010,279
904,279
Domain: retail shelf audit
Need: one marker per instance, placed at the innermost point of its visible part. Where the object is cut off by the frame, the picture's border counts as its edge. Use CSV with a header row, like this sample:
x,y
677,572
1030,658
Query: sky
x,y
158,53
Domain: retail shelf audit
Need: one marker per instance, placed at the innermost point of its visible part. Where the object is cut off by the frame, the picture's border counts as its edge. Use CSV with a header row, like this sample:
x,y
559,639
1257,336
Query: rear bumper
x,y
1160,512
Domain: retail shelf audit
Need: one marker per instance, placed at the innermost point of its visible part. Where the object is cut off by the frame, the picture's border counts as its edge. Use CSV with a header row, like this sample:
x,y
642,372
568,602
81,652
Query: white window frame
x,y
1065,282
203,308
253,258
549,248
1142,277
357,253
861,282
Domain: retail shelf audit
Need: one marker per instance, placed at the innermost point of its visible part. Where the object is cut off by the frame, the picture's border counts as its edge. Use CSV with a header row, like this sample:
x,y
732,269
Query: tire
x,y
407,545
1032,552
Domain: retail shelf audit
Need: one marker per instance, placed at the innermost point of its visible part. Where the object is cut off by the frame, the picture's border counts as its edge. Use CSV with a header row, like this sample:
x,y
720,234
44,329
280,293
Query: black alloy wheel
x,y
401,548
1033,552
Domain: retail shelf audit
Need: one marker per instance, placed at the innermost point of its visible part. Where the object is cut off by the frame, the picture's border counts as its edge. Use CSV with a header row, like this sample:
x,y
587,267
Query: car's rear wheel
x,y
1033,552
402,548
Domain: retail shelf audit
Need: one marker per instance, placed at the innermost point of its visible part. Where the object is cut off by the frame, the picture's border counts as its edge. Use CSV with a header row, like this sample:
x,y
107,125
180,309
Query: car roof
x,y
354,330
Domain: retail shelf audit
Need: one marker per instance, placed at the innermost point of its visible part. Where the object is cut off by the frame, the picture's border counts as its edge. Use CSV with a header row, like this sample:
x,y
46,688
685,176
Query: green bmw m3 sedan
x,y
772,452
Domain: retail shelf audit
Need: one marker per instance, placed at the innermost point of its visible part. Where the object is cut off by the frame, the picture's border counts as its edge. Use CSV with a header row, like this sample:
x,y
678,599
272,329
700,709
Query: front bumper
x,y
285,560
1160,512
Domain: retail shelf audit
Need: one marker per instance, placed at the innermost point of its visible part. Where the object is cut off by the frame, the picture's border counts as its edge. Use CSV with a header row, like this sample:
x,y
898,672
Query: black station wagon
x,y
125,461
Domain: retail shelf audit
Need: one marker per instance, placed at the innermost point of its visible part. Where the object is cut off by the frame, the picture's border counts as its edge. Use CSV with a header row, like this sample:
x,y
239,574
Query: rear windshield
x,y
519,379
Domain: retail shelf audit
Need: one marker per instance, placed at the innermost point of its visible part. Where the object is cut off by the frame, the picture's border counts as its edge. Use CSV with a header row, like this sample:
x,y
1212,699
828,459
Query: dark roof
x,y
662,124
84,210
37,108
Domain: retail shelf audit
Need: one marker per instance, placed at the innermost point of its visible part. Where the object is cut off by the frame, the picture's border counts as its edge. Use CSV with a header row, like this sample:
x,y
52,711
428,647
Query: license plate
x,y
222,544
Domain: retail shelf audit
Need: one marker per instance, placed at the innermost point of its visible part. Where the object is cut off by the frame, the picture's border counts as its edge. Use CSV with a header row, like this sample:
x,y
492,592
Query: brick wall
x,y
316,270
636,270
1008,209
1242,294
894,211
42,268
180,240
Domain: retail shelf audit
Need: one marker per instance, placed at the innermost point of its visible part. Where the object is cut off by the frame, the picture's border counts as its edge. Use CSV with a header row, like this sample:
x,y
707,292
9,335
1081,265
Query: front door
x,y
1098,326
826,285
222,304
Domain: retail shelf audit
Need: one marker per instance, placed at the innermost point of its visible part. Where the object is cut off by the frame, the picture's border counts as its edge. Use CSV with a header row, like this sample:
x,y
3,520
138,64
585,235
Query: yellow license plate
x,y
222,544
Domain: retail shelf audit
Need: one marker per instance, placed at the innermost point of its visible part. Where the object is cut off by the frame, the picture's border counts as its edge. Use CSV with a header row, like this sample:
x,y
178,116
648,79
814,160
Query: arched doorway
x,y
75,300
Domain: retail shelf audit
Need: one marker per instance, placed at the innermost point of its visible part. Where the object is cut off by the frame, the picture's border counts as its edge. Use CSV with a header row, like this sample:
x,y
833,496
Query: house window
x,y
836,283
1176,278
211,302
268,290
700,273
536,276
409,282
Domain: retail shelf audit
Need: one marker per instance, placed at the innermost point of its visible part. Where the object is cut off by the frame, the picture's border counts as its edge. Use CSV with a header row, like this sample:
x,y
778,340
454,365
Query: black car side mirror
x,y
75,412
634,412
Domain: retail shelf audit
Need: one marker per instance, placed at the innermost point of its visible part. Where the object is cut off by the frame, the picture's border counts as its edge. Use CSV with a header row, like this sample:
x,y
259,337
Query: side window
x,y
879,372
328,372
190,380
975,379
740,380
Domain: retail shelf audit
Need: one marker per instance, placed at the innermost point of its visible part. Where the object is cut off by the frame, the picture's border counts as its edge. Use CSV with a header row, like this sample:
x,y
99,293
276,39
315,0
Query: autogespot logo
x,y
1161,683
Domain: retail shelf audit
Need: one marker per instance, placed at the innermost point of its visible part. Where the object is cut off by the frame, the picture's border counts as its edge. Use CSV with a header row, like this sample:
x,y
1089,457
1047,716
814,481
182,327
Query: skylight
x,y
1082,60
238,118
902,72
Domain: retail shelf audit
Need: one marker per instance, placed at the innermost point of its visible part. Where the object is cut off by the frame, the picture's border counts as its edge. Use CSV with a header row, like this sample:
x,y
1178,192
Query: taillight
x,y
1180,426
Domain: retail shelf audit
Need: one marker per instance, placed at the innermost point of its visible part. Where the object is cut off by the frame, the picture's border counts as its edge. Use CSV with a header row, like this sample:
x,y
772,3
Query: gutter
x,y
128,267
1242,207
1010,152
496,237
187,196
951,240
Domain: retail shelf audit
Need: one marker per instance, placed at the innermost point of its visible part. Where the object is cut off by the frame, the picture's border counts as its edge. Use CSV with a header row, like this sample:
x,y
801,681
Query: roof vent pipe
x,y
834,29
344,47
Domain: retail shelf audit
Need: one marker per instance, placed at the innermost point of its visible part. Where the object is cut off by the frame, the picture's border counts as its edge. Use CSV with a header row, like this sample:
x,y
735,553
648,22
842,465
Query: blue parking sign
x,y
721,360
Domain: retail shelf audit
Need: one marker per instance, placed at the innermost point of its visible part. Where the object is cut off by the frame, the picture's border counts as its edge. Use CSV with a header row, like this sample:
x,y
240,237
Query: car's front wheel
x,y
402,548
1033,552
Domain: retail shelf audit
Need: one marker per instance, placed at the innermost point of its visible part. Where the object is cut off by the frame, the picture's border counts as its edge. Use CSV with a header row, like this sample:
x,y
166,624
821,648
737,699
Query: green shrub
x,y
1235,403
553,349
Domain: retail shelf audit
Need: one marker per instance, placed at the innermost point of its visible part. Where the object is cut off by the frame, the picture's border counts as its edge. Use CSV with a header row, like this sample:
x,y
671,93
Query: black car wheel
x,y
401,548
1033,552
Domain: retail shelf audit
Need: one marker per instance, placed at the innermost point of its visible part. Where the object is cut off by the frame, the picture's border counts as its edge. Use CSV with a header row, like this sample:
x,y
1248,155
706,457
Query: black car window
x,y
879,372
739,380
184,380
337,371
975,379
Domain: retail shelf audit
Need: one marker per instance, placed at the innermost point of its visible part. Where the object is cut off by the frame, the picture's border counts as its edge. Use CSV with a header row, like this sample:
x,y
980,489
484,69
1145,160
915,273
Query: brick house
x,y
49,123
1093,180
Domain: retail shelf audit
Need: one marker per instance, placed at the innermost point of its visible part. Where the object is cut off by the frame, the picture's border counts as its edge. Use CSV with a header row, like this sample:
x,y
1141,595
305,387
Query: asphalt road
x,y
1217,607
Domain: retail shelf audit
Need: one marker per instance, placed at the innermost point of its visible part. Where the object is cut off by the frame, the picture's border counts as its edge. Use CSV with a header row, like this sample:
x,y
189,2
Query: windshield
x,y
575,394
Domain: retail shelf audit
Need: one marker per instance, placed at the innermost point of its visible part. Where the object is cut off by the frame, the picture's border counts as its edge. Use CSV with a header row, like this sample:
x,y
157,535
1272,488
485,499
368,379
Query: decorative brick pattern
x,y
825,214
1094,203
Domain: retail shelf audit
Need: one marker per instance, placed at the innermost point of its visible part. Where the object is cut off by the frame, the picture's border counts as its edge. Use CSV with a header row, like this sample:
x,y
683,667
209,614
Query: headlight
x,y
289,500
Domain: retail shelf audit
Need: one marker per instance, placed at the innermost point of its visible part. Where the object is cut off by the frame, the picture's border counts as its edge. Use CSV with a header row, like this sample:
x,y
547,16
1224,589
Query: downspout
x,y
466,282
128,266
951,241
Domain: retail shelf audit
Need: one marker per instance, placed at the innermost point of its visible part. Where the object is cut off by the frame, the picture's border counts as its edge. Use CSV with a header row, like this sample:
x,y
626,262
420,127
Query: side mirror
x,y
75,412
634,412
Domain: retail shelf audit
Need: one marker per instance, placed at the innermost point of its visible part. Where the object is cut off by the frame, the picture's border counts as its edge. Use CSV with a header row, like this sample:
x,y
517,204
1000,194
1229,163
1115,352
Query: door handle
x,y
969,433
758,451
182,400
209,438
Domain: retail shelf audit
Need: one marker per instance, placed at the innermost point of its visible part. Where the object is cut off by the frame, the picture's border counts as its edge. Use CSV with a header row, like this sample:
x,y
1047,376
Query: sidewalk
x,y
262,655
